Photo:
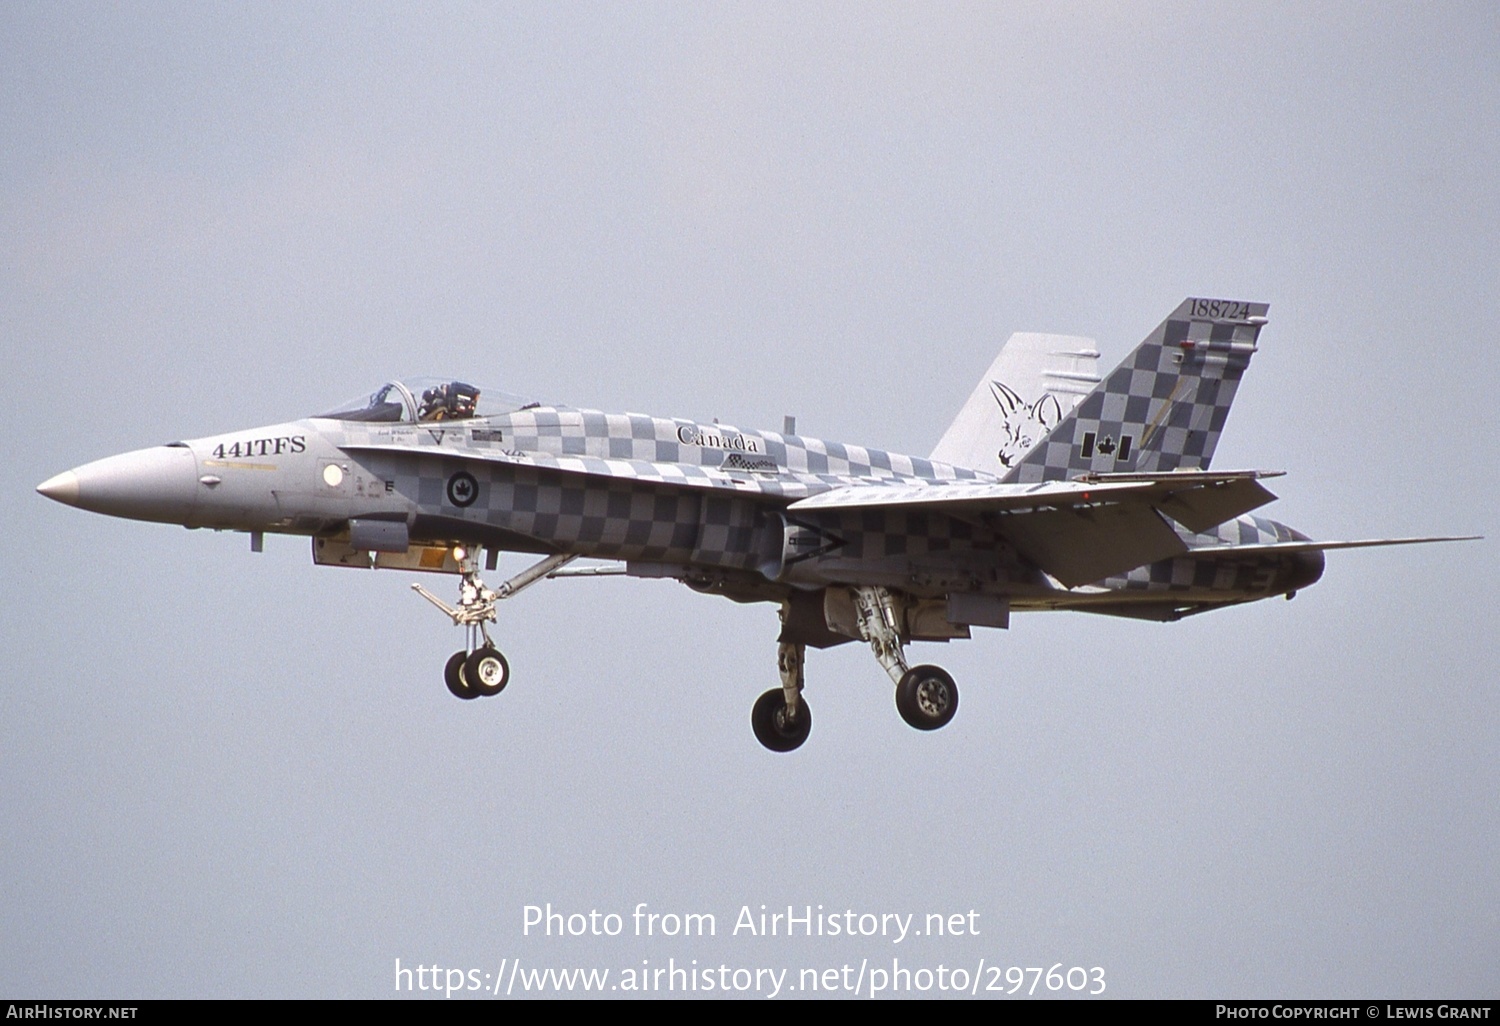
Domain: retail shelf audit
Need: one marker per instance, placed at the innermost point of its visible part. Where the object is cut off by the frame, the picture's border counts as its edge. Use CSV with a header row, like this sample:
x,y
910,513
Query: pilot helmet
x,y
451,401
462,399
433,401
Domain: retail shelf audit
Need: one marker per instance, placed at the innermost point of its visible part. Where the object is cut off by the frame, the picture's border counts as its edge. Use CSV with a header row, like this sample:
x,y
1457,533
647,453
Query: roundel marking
x,y
462,489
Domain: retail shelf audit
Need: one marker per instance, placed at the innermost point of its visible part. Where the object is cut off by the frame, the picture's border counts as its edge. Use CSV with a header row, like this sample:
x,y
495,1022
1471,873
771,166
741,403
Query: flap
x,y
961,497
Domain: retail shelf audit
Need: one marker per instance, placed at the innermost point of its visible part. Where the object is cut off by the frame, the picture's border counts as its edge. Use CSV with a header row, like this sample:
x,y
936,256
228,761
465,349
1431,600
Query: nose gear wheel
x,y
453,676
487,671
480,669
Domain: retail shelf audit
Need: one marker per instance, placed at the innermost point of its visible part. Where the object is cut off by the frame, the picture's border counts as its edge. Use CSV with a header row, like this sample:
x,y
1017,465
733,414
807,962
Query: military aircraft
x,y
1053,489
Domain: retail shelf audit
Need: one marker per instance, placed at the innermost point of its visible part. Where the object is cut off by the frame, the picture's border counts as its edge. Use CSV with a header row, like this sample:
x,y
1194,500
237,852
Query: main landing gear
x,y
926,696
780,718
479,669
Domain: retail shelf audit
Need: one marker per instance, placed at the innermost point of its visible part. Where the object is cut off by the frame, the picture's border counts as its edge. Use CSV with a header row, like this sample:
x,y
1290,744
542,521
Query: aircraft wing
x,y
1078,531
1081,530
736,474
1196,500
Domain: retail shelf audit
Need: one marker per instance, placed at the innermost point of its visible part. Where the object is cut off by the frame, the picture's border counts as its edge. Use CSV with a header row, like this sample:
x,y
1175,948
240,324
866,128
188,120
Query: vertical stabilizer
x,y
1032,385
1163,408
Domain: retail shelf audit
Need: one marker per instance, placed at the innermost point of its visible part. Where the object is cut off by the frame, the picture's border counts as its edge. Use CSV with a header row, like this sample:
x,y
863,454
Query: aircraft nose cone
x,y
148,484
61,488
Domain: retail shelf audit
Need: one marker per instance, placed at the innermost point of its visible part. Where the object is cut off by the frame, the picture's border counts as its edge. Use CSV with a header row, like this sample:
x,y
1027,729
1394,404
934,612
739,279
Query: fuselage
x,y
672,497
1059,488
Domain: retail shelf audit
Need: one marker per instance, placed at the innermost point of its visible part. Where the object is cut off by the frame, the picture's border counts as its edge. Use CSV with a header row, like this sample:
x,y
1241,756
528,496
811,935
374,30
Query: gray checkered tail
x,y
1164,406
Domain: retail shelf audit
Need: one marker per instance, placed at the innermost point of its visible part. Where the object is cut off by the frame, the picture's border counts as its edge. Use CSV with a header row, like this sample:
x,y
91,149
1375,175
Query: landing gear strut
x,y
781,718
479,669
926,696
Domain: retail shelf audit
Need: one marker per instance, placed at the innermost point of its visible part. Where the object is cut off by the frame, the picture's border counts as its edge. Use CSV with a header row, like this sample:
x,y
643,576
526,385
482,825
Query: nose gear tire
x,y
486,671
453,676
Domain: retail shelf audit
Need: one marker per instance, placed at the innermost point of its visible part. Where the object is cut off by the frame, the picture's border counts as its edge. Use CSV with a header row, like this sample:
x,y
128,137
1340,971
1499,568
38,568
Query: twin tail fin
x,y
1163,408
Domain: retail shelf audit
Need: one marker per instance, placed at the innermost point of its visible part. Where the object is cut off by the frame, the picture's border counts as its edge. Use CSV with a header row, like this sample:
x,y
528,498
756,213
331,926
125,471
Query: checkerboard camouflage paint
x,y
1164,407
673,491
716,525
633,487
1193,572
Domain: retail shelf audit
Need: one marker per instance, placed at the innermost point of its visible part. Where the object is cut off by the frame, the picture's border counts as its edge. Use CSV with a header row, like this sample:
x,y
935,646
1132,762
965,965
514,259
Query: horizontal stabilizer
x,y
1077,546
1200,500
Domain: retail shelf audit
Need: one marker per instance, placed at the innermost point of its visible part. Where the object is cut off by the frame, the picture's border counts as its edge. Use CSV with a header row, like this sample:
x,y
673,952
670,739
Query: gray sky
x,y
228,774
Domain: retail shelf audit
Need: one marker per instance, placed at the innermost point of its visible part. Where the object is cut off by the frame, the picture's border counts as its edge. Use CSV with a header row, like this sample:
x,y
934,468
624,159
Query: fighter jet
x,y
1053,489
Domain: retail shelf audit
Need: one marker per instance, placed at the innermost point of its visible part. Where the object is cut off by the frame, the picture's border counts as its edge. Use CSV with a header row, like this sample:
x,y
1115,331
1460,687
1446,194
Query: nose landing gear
x,y
477,674
479,669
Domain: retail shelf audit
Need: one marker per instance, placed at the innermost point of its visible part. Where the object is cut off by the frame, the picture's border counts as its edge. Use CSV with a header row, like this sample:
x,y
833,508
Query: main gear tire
x,y
773,728
927,698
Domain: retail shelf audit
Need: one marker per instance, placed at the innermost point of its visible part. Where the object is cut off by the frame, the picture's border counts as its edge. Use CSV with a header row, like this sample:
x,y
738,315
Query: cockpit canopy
x,y
421,400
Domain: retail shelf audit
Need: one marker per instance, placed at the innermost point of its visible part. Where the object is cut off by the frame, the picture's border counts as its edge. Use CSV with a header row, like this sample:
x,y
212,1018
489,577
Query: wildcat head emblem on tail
x,y
1033,384
1025,423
